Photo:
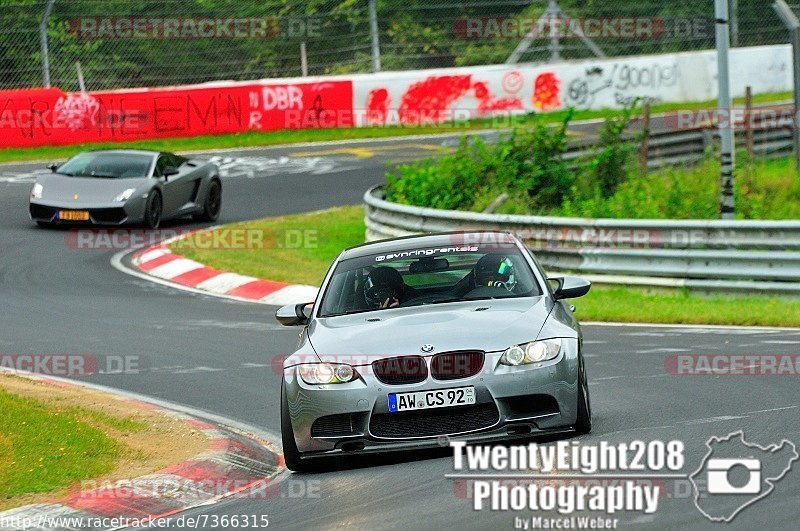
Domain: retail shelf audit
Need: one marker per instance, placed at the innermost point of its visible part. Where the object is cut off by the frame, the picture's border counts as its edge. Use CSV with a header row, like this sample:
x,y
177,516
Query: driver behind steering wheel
x,y
494,270
384,288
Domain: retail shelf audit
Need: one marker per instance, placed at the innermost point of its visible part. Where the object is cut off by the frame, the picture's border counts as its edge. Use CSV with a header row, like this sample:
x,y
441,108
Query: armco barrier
x,y
714,254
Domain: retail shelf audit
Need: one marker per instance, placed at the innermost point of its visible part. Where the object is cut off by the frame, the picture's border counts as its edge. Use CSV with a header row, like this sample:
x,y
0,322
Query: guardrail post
x,y
644,150
748,125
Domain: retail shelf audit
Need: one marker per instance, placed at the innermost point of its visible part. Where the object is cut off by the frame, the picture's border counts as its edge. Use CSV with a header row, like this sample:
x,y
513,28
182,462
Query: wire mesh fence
x,y
141,43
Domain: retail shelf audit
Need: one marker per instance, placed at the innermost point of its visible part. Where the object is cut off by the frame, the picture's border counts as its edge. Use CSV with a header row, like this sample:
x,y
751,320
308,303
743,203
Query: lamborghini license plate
x,y
73,215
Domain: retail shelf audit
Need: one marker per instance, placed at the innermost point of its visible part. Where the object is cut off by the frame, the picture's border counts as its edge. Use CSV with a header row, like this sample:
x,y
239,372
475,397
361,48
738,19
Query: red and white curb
x,y
159,263
235,464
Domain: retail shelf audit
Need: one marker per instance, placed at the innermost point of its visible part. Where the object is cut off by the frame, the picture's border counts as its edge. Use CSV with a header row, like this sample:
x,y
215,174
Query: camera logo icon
x,y
719,472
736,473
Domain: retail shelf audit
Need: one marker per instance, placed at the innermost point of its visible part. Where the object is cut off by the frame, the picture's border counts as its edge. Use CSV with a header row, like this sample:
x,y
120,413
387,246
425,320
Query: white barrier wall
x,y
36,117
434,95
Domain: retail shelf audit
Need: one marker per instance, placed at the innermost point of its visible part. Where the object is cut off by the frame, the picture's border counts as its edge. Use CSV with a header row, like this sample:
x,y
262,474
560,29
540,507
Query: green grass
x,y
765,189
296,249
271,138
44,449
338,228
621,304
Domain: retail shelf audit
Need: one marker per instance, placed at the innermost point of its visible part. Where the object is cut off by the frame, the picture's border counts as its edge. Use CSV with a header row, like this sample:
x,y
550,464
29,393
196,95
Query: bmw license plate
x,y
74,215
458,396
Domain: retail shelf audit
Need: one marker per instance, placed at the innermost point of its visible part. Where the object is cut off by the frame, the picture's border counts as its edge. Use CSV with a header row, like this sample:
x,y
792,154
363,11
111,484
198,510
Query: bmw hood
x,y
88,189
488,325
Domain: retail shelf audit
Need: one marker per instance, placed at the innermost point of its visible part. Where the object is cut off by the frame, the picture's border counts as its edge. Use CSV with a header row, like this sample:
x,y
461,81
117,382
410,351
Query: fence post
x,y
726,127
793,25
303,59
734,23
43,44
644,150
748,121
373,29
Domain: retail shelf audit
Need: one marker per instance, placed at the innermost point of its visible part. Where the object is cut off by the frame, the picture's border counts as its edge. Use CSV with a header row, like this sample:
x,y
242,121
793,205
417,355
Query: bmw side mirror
x,y
52,167
570,287
294,314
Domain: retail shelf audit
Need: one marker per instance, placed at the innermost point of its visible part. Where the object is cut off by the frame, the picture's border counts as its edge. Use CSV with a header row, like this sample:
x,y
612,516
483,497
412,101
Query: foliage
x,y
764,190
526,163
609,167
528,167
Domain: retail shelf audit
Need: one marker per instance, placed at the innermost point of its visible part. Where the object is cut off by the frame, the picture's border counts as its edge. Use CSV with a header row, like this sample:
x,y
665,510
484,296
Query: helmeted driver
x,y
384,288
494,270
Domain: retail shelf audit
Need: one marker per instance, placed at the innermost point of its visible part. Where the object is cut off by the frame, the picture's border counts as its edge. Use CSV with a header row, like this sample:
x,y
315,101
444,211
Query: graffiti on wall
x,y
546,90
620,83
434,98
77,111
52,117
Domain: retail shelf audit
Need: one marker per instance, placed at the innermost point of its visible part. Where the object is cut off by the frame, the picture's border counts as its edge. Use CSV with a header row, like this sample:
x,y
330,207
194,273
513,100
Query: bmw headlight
x,y
533,352
327,373
124,196
36,193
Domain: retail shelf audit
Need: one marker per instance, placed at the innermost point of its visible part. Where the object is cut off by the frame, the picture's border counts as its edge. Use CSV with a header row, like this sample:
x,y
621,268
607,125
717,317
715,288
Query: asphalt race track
x,y
217,355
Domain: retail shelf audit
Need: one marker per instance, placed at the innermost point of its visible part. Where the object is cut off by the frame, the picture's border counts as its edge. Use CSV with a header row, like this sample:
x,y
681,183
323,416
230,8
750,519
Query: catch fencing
x,y
156,43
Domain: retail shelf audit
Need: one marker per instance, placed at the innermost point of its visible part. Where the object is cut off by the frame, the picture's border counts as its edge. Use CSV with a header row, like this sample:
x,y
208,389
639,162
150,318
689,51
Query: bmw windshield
x,y
107,165
427,276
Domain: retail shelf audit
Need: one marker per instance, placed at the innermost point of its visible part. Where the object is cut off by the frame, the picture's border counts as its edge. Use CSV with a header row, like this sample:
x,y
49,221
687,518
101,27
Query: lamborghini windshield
x,y
107,165
427,276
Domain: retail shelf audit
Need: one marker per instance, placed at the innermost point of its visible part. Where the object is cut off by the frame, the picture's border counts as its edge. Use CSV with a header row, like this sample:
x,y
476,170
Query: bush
x,y
525,163
610,167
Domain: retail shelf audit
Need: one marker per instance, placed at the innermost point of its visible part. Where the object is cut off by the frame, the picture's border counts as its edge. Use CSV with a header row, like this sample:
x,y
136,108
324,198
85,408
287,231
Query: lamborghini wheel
x,y
212,204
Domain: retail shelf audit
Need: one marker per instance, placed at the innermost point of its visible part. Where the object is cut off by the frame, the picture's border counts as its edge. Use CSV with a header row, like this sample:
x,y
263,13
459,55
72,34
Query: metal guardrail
x,y
715,255
669,148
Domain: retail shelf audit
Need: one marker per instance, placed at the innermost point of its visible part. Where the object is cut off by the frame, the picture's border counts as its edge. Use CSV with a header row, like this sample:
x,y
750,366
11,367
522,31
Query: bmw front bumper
x,y
510,402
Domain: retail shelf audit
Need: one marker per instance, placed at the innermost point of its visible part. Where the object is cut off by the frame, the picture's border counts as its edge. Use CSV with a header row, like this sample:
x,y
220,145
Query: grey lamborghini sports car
x,y
115,187
418,340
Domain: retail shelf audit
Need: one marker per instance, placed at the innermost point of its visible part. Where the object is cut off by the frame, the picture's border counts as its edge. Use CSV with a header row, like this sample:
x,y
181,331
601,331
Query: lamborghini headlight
x,y
327,373
36,192
124,196
533,352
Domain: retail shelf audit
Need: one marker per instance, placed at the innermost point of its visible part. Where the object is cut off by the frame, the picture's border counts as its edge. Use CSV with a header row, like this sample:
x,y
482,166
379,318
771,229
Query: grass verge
x,y
296,249
663,305
49,448
53,438
272,138
332,230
